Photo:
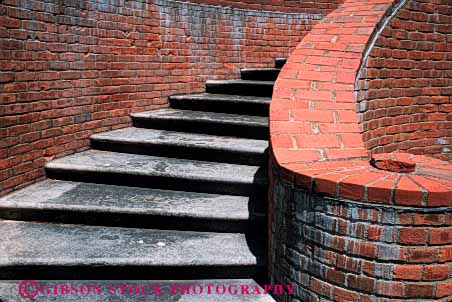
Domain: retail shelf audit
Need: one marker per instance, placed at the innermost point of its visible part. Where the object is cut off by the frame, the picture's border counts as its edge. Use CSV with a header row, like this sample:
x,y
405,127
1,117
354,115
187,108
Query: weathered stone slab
x,y
37,249
158,172
182,145
88,203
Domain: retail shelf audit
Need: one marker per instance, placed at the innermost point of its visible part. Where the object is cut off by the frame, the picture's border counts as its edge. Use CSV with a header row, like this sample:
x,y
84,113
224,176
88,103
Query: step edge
x,y
62,167
212,147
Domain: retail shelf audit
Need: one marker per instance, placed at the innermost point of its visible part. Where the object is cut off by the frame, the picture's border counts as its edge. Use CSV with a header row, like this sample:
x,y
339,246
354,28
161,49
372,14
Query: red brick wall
x,y
406,87
293,6
69,70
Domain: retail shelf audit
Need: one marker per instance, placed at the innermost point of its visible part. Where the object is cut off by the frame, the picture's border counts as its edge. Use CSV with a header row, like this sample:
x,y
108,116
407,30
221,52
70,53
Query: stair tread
x,y
214,117
241,87
280,62
244,82
8,290
88,197
172,138
32,243
224,102
224,98
259,74
145,165
261,68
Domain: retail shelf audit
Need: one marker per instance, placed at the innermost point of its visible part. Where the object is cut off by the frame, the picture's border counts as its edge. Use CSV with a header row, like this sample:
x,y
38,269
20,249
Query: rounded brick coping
x,y
314,128
429,185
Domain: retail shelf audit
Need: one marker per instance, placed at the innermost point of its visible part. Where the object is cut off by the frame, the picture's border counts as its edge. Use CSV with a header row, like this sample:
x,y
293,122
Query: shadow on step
x,y
109,272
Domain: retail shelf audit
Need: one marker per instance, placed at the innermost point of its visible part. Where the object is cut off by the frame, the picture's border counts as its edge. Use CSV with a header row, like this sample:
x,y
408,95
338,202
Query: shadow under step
x,y
109,205
227,103
159,172
240,87
44,250
182,145
215,123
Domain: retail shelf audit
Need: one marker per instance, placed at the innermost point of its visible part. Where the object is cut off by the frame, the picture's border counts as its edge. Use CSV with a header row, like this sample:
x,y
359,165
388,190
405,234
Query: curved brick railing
x,y
346,226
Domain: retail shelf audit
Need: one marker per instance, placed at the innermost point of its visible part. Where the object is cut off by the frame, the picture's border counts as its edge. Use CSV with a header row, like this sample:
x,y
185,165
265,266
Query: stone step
x,y
159,172
260,74
183,145
154,290
227,103
215,123
280,62
241,87
110,205
31,250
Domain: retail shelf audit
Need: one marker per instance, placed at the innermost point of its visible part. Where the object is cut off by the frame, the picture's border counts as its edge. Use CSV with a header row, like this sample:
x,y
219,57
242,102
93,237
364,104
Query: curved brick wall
x,y
68,70
406,83
345,224
293,6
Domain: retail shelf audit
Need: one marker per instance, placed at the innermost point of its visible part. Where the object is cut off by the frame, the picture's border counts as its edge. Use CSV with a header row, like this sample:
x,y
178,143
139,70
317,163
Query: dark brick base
x,y
343,250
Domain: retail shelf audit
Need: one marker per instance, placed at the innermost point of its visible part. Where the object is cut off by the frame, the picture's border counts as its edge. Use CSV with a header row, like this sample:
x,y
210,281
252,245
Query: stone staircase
x,y
180,195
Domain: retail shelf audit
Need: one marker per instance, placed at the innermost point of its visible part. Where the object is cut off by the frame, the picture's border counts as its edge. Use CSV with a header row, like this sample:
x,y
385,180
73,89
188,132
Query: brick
x,y
422,255
335,276
345,97
413,290
327,183
343,295
361,283
445,254
293,84
290,104
408,272
435,272
291,156
429,219
290,127
357,39
281,141
408,193
324,60
348,263
444,289
317,141
316,76
413,236
441,236
332,154
312,115
353,186
363,249
345,77
390,288
338,128
314,95
352,140
347,117
438,195
279,114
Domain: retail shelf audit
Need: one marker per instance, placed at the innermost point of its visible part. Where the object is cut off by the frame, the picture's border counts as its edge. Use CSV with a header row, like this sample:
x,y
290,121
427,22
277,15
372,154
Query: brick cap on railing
x,y
314,128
